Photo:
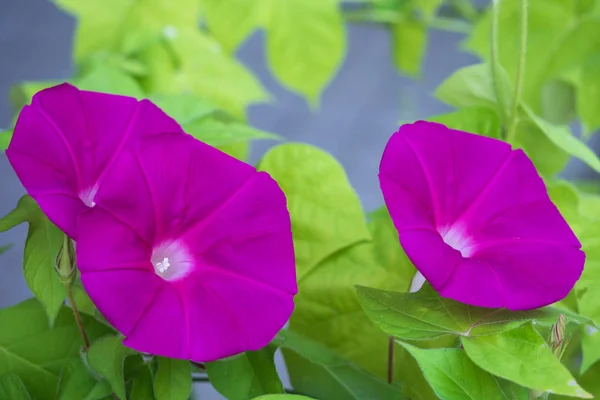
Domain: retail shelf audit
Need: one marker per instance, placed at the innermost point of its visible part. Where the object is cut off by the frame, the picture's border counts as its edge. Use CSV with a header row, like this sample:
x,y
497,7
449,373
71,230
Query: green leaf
x,y
142,387
427,315
306,42
4,248
41,249
184,108
479,120
231,22
522,356
116,25
453,376
563,138
409,45
173,379
473,86
587,291
107,356
282,397
36,353
254,374
76,382
218,133
558,102
106,79
326,213
213,75
12,387
322,374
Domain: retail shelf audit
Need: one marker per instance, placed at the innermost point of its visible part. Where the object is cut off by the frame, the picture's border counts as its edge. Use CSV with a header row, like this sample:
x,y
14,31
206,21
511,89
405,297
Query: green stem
x,y
520,72
77,315
466,9
495,61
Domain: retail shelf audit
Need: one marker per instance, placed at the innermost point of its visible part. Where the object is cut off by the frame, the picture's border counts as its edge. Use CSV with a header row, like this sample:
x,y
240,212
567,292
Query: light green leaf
x,y
320,373
522,356
106,79
107,356
563,138
184,108
453,376
410,42
213,75
41,248
5,137
127,26
36,353
427,315
548,158
306,42
142,387
558,102
12,388
479,120
218,133
76,382
232,21
473,86
588,95
173,379
587,291
21,94
326,213
239,150
254,374
559,37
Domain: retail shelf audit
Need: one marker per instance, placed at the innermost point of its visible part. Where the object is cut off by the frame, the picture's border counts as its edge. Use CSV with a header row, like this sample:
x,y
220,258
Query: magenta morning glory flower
x,y
188,251
67,140
474,217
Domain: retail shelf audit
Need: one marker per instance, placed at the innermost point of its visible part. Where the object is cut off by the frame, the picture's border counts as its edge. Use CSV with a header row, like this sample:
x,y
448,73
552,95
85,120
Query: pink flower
x,y
188,251
474,217
67,140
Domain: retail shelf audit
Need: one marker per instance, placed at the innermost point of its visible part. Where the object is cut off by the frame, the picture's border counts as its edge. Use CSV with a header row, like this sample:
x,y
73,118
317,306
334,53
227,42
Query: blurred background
x,y
358,111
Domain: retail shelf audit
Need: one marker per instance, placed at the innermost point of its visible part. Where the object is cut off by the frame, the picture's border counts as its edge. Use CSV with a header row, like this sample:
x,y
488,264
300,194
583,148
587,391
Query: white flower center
x,y
87,196
455,237
172,260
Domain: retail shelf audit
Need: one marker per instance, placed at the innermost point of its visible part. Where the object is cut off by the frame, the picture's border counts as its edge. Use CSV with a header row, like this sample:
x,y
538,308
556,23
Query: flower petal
x,y
69,138
474,215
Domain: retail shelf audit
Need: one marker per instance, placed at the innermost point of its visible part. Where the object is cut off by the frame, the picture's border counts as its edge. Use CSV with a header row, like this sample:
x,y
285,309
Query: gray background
x,y
360,109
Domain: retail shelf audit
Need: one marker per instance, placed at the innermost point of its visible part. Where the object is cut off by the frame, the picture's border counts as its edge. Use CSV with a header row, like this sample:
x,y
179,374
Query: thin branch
x,y
78,321
390,367
520,71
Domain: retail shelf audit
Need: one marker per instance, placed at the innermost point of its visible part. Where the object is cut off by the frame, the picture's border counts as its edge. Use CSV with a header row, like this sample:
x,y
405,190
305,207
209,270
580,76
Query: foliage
x,y
537,77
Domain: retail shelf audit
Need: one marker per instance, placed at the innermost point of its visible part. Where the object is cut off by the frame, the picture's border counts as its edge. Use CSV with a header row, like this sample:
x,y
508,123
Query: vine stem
x,y
520,70
390,369
78,321
495,61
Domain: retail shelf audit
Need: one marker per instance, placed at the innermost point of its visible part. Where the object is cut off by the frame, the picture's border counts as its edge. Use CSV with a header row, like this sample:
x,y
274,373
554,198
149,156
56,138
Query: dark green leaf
x,y
521,355
322,374
254,374
36,353
21,94
76,382
41,249
427,315
5,137
173,379
4,248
